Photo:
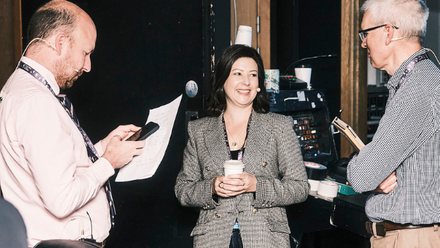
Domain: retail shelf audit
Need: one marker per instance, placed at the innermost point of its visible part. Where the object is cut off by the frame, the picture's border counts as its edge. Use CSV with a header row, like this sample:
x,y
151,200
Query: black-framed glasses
x,y
363,33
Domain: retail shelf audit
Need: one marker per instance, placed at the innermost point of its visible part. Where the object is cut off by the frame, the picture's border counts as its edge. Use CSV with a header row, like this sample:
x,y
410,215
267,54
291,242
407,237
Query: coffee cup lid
x,y
233,162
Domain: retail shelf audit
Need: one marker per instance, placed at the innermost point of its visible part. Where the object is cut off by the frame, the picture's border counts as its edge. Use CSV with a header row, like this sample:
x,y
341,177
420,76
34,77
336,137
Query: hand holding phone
x,y
144,132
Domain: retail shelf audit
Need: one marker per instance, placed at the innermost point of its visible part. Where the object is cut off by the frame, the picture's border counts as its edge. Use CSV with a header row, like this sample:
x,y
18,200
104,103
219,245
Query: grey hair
x,y
410,16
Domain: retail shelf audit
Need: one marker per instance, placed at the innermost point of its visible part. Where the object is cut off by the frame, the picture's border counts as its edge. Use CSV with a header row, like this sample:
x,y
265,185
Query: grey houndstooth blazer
x,y
272,154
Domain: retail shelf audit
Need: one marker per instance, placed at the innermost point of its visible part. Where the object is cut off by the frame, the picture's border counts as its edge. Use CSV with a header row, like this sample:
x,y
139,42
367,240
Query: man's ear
x,y
60,43
390,34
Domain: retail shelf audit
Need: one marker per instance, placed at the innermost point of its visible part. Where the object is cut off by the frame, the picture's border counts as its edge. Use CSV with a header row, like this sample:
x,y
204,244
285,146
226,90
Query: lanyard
x,y
240,152
91,151
409,68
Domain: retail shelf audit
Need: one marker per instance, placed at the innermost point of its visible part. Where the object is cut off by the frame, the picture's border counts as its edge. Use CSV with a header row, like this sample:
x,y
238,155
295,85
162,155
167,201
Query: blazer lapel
x,y
215,143
258,140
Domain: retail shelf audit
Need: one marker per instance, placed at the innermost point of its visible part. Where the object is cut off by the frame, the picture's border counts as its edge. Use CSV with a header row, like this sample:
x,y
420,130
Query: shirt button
x,y
207,168
255,211
218,215
264,164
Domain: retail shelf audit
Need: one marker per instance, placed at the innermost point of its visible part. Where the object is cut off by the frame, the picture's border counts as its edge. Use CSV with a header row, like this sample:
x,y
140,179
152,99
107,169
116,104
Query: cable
x,y
333,135
91,229
429,50
6,86
91,225
307,58
235,16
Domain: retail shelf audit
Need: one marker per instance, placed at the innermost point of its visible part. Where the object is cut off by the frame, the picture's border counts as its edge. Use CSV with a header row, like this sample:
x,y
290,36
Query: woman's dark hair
x,y
217,99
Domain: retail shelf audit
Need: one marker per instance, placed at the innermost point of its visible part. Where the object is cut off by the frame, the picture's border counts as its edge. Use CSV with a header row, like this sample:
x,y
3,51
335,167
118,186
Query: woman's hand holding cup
x,y
235,181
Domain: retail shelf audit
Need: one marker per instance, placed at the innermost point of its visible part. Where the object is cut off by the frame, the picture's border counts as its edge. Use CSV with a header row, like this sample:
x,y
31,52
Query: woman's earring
x,y
258,89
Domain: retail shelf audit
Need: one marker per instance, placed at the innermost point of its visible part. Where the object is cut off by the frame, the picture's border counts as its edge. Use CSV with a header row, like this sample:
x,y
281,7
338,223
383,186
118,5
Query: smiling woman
x,y
239,80
217,100
236,209
241,87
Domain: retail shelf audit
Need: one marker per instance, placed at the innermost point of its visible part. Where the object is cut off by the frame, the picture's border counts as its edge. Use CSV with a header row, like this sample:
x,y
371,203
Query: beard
x,y
65,74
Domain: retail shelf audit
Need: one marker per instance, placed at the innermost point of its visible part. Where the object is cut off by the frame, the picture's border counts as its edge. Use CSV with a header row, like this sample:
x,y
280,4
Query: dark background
x,y
302,29
145,53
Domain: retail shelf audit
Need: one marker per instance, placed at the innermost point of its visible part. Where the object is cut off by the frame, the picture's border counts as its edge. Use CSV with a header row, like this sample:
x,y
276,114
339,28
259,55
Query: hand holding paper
x,y
145,165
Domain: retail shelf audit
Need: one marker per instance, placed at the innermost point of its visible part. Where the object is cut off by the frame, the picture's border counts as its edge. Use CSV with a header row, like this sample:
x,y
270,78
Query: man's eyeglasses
x,y
363,33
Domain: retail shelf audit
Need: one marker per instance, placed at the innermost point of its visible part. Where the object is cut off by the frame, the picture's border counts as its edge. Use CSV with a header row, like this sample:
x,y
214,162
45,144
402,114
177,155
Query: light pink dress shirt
x,y
44,168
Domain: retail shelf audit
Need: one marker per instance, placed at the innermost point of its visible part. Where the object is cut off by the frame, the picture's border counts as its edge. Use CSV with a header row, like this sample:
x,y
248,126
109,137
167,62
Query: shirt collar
x,y
394,80
50,78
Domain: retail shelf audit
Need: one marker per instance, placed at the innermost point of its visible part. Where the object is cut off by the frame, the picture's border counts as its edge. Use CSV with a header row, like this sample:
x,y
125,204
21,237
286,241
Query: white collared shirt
x,y
44,168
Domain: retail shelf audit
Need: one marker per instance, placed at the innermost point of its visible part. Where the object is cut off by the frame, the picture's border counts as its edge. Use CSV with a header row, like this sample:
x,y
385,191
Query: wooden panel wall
x,y
247,12
263,37
353,73
10,37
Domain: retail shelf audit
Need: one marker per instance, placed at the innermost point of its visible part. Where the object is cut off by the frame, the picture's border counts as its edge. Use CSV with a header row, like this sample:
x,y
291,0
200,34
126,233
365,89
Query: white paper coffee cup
x,y
304,74
244,35
233,167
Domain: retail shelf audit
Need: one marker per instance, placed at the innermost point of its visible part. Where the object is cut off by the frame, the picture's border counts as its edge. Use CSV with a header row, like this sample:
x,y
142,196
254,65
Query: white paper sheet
x,y
145,165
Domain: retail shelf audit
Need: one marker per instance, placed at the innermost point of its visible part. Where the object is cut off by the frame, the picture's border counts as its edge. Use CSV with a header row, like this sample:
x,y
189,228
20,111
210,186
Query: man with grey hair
x,y
406,145
49,169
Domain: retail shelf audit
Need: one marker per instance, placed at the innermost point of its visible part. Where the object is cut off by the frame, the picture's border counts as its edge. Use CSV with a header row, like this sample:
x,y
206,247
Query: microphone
x,y
308,58
77,71
53,48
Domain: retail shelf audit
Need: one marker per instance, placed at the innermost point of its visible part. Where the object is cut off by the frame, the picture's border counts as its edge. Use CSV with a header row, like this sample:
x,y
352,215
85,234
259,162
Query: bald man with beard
x,y
49,169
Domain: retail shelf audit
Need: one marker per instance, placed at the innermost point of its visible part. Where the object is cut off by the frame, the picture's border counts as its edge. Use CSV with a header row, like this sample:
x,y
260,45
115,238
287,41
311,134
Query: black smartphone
x,y
145,131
